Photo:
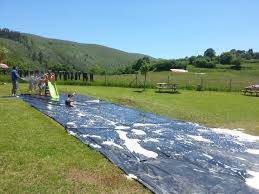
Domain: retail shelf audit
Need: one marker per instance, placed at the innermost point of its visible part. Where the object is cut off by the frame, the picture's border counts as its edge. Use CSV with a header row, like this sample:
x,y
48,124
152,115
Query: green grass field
x,y
38,156
221,78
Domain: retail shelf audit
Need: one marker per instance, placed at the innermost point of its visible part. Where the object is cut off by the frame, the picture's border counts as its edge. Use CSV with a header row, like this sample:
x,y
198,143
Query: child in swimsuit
x,y
69,101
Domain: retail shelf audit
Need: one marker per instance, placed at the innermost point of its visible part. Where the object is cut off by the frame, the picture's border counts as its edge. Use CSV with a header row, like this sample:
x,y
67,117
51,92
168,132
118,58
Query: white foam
x,y
93,101
199,138
112,144
95,145
202,130
213,171
121,127
239,143
131,176
240,158
252,151
208,156
241,136
194,124
159,131
134,146
83,125
70,123
198,170
151,139
112,122
81,115
143,124
49,106
72,133
139,132
96,116
179,138
94,136
254,180
178,123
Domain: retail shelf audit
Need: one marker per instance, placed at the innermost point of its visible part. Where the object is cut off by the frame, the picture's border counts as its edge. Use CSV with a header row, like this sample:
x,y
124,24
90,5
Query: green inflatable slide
x,y
53,90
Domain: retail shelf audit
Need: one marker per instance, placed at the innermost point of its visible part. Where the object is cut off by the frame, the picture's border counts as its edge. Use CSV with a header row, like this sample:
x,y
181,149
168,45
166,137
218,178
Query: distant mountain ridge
x,y
35,51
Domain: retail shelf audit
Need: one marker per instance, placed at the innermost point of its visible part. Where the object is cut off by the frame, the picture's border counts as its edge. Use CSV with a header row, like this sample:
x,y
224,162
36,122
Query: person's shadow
x,y
138,91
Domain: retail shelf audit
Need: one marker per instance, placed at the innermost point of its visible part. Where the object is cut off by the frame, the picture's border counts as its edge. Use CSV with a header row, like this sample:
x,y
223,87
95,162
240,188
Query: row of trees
x,y
208,60
155,65
233,57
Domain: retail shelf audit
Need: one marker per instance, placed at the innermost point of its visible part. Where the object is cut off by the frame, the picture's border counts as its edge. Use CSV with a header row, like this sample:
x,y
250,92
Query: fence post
x,y
136,79
105,78
168,79
91,77
230,85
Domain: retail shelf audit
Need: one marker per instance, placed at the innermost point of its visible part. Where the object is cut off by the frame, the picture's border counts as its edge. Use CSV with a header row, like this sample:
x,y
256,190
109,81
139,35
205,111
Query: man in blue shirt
x,y
15,77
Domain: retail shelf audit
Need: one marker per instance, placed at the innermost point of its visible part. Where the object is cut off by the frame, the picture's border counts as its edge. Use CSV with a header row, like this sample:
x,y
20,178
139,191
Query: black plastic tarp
x,y
167,156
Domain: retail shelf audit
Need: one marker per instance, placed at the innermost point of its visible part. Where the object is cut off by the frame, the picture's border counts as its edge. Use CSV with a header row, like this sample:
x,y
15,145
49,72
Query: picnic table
x,y
167,86
254,89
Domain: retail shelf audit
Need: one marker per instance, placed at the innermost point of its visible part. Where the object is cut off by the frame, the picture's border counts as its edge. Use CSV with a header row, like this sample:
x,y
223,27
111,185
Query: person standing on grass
x,y
15,77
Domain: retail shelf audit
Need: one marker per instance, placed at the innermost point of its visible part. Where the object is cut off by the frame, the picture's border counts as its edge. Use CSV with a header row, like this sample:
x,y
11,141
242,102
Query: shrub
x,y
236,62
226,58
166,65
204,63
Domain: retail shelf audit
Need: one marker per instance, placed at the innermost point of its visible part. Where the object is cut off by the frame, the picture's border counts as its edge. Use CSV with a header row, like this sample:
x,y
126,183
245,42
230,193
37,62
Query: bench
x,y
251,91
166,87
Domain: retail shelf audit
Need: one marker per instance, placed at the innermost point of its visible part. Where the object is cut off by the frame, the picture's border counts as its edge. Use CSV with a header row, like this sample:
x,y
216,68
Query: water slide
x,y
53,90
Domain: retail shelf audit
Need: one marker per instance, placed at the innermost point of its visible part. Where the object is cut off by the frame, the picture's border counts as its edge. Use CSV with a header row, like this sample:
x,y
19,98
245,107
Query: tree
x,y
256,55
139,63
210,53
144,70
192,59
204,63
3,53
97,70
166,65
236,62
226,58
250,54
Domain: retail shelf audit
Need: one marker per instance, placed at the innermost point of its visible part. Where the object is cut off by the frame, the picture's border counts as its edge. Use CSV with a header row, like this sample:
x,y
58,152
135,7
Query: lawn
x,y
38,156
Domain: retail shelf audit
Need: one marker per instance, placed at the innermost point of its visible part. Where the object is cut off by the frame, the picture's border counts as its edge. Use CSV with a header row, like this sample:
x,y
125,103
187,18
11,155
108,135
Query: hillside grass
x,y
73,54
38,156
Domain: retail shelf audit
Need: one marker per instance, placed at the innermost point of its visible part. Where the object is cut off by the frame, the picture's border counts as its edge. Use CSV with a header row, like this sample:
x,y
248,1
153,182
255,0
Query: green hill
x,y
31,51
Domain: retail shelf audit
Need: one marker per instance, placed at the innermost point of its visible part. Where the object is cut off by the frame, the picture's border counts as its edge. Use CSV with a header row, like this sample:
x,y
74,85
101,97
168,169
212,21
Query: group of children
x,y
43,86
43,82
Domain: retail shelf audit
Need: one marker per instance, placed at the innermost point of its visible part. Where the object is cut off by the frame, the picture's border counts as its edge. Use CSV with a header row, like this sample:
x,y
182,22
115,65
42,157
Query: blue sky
x,y
160,28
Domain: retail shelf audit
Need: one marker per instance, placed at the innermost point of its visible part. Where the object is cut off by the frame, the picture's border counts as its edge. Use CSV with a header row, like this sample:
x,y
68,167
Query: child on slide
x,y
69,101
52,78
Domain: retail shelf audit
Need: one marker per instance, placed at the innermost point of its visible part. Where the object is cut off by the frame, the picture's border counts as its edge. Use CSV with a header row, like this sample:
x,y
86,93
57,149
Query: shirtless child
x,y
69,101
